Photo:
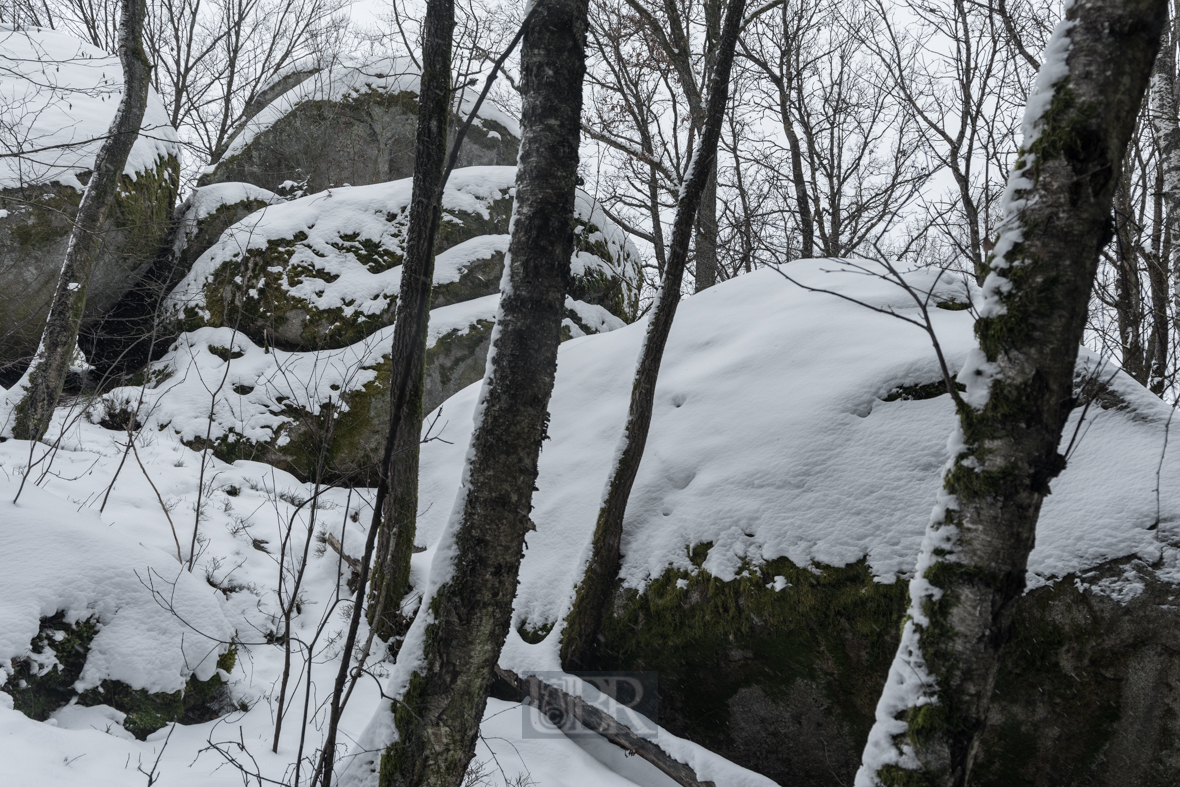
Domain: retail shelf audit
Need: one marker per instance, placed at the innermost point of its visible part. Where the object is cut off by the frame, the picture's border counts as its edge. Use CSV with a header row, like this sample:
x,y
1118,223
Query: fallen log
x,y
353,563
548,698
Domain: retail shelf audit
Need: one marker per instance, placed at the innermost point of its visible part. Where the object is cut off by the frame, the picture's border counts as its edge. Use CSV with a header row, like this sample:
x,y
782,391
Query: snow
x,y
58,552
58,96
594,316
206,200
195,373
450,264
349,78
771,438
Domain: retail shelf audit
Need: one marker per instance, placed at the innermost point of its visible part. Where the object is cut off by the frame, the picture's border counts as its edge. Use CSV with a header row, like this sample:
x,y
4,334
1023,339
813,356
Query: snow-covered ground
x,y
771,437
57,552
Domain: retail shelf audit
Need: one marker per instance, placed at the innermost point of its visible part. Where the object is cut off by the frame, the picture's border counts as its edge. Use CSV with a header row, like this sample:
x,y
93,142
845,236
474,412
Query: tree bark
x,y
1167,130
705,267
395,541
465,622
1157,279
42,383
1128,300
578,647
705,270
802,200
1019,394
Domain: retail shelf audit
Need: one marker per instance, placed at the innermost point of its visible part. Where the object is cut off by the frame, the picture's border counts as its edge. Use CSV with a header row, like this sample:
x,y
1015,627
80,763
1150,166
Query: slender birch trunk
x,y
1019,394
399,474
46,375
594,592
1167,131
1157,279
462,626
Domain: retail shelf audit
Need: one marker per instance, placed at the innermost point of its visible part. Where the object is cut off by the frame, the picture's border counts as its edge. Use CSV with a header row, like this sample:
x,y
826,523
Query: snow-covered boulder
x,y
795,453
208,213
349,123
312,284
94,620
323,271
58,97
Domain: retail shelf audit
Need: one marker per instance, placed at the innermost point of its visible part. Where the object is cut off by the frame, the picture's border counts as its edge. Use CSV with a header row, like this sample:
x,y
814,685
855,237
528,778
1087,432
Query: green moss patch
x,y
786,682
832,628
44,683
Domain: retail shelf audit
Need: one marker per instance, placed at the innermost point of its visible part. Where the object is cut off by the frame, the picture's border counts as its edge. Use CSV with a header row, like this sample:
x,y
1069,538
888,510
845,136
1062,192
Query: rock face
x,y
786,682
60,125
349,124
302,295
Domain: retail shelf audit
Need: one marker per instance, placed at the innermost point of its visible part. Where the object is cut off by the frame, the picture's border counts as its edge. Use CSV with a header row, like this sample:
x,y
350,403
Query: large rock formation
x,y
350,123
794,457
61,95
298,300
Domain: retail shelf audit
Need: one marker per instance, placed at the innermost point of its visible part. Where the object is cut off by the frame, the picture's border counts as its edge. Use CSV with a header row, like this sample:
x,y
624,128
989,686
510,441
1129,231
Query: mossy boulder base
x,y
57,129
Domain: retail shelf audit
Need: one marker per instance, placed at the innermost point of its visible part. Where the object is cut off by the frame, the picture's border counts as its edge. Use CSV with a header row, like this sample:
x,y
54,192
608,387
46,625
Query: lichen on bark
x,y
1019,394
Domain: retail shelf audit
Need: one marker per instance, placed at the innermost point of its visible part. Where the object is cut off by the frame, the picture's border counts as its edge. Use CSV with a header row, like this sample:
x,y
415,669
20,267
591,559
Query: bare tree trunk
x,y
784,78
46,375
395,541
802,200
438,717
1128,301
1167,130
706,233
1157,280
705,267
657,228
1019,394
595,591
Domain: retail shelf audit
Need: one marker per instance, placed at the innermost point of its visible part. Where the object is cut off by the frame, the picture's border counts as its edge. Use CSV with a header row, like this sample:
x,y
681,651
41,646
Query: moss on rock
x,y
741,664
34,232
45,682
785,681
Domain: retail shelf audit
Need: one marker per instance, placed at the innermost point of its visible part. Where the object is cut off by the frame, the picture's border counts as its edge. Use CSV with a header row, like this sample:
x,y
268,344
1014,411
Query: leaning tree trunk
x,y
705,267
462,626
395,540
1019,393
593,597
42,383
